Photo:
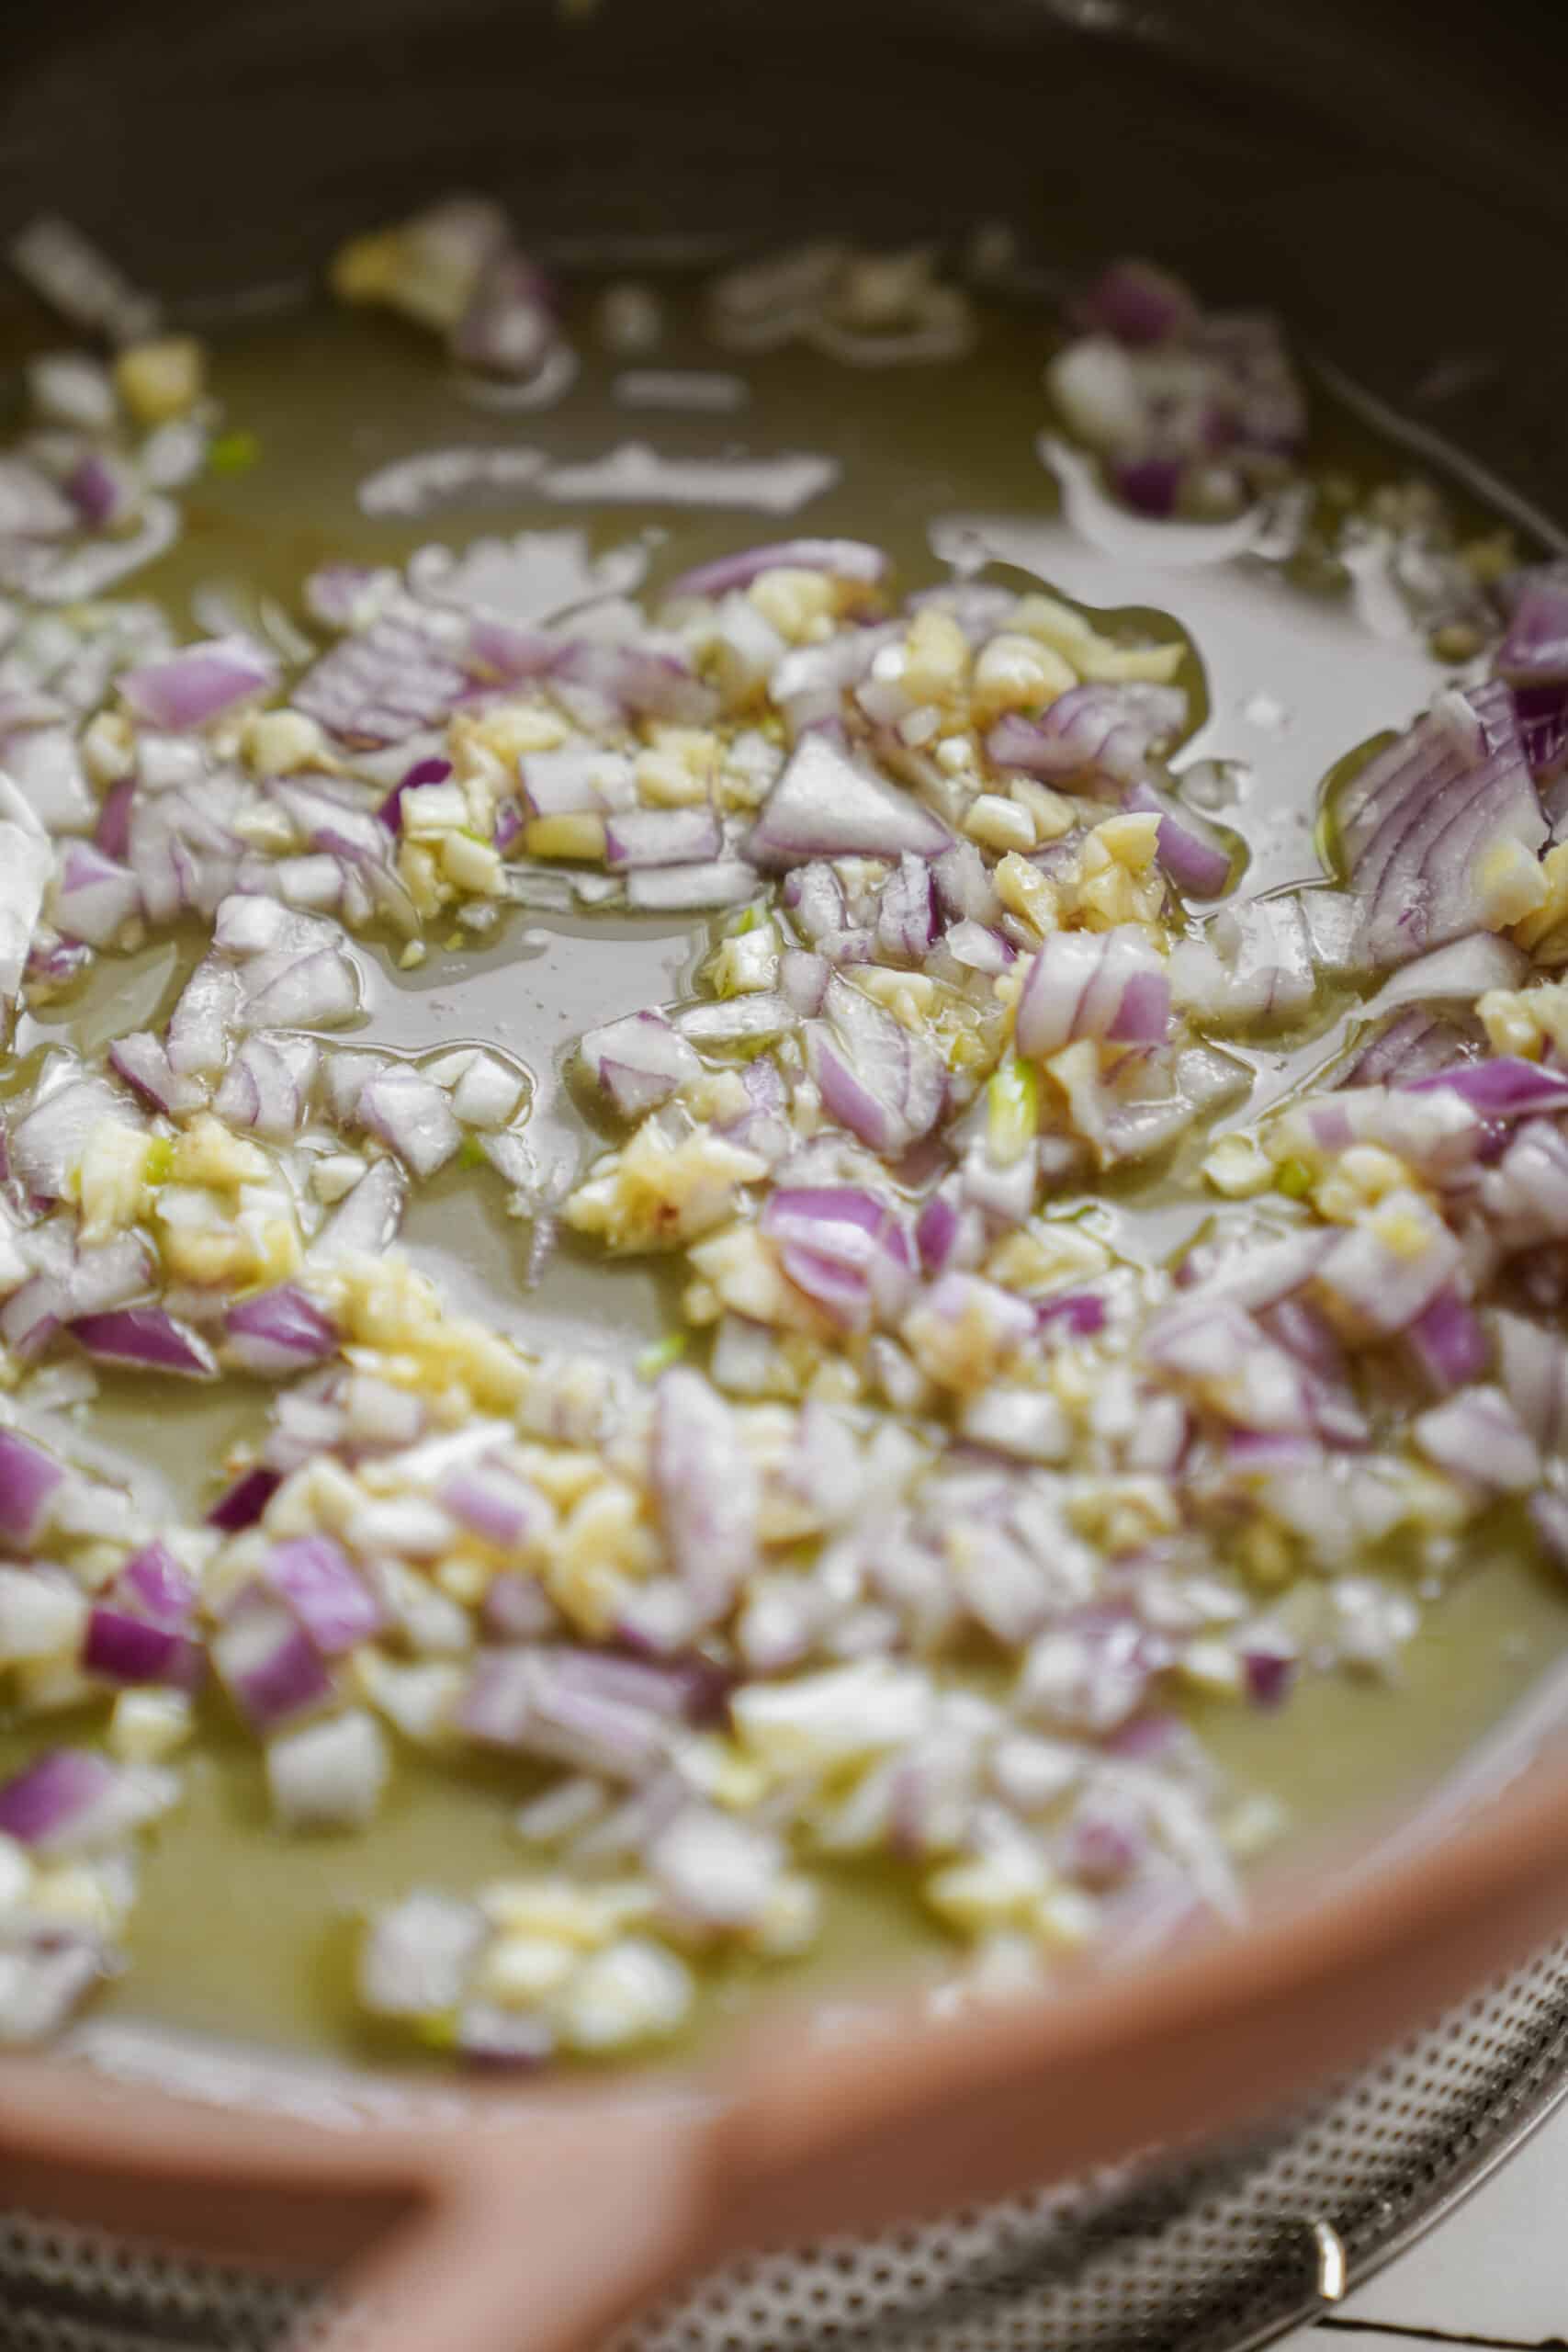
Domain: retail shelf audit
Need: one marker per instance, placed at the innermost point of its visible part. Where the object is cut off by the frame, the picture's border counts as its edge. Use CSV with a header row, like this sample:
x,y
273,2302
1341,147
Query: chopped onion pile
x,y
910,1540
1193,412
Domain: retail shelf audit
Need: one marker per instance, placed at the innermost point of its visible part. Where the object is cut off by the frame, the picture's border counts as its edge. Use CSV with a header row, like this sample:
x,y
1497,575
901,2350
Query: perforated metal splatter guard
x,y
1207,2255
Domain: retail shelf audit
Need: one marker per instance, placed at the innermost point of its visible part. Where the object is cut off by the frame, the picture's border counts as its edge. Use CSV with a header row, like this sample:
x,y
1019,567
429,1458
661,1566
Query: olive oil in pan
x,y
242,1930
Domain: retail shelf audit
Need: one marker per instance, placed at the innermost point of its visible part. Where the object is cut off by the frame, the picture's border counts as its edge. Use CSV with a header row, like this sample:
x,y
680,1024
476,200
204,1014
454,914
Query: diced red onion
x,y
1137,303
154,1585
679,889
73,1801
31,1481
142,1061
1449,1342
200,684
826,804
493,1504
145,1338
423,772
639,1061
516,1607
127,1650
1191,851
245,1501
365,1224
1093,730
271,1668
661,836
95,898
1419,821
315,1577
391,681
1503,1088
280,1330
844,559
1107,984
1534,650
1478,1435
706,1490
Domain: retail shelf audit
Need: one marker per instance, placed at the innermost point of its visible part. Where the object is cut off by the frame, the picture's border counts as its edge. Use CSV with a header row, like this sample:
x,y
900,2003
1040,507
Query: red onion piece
x,y
679,889
423,772
141,1059
48,1141
1418,823
905,912
243,1504
1532,1364
200,684
645,677
639,1061
1094,730
493,1504
535,1701
325,1592
145,1338
661,836
706,1489
31,1481
878,1079
1079,1313
1449,1342
826,804
1108,984
73,1801
271,1668
366,1223
1191,851
154,1585
1534,651
280,1330
112,831
95,898
1478,1435
127,1650
1502,1088
516,1607
844,559
1388,1290
390,682
1137,303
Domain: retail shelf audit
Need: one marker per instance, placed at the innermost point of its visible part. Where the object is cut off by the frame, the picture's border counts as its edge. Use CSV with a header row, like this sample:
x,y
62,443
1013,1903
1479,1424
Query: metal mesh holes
x,y
1208,2255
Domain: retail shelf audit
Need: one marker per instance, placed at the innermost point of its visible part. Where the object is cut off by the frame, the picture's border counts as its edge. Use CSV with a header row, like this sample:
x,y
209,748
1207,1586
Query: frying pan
x,y
1389,174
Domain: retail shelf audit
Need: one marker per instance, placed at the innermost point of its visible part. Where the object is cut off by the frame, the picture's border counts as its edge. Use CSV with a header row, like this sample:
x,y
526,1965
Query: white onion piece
x,y
412,1117
365,1224
707,1491
639,1061
419,1955
26,863
1478,1434
329,1775
675,890
826,804
45,763
47,1142
94,896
